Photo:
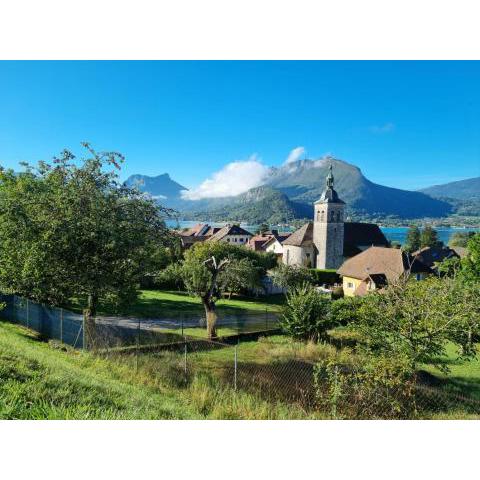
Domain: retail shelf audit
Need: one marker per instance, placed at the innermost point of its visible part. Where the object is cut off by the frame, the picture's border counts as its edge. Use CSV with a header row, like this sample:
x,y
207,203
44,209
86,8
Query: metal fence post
x,y
137,346
235,370
61,325
84,335
185,360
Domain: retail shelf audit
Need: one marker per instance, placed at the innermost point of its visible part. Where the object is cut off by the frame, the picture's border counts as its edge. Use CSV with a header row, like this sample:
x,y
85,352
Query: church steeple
x,y
328,227
330,195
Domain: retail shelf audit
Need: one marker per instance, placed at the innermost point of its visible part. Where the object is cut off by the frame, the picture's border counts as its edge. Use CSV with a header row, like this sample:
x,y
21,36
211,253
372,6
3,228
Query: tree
x,y
460,239
72,229
415,319
470,270
429,237
291,276
306,314
213,268
412,242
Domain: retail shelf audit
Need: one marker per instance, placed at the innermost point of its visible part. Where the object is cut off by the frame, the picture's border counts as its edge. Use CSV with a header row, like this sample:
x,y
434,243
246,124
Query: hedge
x,y
325,277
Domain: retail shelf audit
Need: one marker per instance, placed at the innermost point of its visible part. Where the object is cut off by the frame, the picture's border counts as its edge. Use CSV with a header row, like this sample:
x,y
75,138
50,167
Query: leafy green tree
x,y
415,319
213,268
306,314
429,237
460,239
72,229
412,242
291,276
470,270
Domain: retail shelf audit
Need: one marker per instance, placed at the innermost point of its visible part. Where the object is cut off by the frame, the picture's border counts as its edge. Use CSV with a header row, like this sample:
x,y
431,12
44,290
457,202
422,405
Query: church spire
x,y
329,195
330,176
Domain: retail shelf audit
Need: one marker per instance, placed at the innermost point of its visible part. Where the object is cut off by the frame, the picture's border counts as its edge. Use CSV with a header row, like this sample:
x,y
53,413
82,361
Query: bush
x,y
291,276
337,293
376,387
306,314
324,277
170,278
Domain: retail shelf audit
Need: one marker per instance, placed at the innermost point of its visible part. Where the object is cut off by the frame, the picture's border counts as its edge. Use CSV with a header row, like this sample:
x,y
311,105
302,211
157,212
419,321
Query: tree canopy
x,y
71,229
211,269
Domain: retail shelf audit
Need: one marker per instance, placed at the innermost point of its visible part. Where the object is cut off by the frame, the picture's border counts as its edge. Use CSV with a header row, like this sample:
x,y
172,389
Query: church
x,y
328,241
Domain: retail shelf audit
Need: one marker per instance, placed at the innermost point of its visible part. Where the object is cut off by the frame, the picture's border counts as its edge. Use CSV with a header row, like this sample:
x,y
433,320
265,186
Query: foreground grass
x,y
160,303
45,381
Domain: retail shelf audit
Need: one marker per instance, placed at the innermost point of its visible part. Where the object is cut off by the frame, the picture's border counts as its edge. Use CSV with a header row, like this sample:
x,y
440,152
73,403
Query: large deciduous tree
x,y
71,229
211,269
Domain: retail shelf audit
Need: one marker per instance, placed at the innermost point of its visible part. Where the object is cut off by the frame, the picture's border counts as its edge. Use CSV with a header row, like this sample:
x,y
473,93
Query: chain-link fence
x,y
247,362
252,372
50,322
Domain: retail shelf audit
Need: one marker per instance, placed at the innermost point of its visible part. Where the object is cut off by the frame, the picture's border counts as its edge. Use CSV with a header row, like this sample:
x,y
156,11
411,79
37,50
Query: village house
x,y
197,233
432,256
327,241
270,241
231,234
377,267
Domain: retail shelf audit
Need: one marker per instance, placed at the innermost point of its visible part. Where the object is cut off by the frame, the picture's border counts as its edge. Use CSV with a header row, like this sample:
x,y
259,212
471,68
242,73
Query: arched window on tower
x,y
339,216
332,216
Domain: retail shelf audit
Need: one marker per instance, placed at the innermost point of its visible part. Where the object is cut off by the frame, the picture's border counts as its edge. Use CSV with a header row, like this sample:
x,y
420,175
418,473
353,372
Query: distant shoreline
x,y
393,234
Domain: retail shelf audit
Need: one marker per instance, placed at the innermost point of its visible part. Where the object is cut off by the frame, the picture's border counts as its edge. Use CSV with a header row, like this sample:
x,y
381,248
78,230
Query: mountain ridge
x,y
290,191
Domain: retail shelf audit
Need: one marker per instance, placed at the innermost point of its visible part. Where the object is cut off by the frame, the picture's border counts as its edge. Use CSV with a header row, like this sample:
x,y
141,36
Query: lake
x,y
393,234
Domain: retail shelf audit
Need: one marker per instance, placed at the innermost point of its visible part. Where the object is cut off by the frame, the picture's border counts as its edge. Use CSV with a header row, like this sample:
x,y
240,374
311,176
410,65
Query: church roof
x,y
330,195
301,237
355,235
363,234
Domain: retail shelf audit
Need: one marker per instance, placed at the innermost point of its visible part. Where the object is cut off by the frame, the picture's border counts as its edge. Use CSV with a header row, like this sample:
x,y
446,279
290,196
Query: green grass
x,y
463,376
159,303
41,380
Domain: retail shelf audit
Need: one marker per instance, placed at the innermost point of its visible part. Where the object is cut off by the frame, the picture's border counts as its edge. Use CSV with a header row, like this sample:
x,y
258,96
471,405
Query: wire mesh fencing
x,y
50,322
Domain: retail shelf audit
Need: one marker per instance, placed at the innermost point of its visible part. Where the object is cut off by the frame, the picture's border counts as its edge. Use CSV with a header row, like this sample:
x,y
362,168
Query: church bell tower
x,y
328,227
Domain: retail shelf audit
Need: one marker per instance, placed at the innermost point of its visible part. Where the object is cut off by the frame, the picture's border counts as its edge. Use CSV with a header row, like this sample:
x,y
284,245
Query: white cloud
x,y
233,179
386,128
295,155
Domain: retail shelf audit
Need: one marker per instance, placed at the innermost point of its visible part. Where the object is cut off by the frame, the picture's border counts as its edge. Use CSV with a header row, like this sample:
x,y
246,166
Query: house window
x,y
349,285
228,240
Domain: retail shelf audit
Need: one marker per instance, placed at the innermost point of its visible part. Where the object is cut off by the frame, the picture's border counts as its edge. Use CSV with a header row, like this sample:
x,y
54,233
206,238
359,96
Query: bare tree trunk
x,y
208,298
211,316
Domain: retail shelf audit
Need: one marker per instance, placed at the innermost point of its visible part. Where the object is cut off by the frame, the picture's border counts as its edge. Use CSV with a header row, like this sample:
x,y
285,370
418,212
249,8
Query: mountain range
x,y
289,191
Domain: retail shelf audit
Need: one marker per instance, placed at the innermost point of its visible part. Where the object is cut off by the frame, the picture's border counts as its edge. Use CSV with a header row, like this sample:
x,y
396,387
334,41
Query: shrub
x,y
337,293
170,278
324,277
306,314
376,387
291,276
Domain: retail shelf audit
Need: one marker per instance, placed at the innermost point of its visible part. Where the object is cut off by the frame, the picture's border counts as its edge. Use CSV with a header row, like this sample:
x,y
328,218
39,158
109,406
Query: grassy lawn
x,y
463,377
158,303
41,380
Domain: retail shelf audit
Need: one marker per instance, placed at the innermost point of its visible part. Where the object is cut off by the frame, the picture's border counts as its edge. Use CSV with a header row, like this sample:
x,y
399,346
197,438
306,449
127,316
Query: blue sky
x,y
405,124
